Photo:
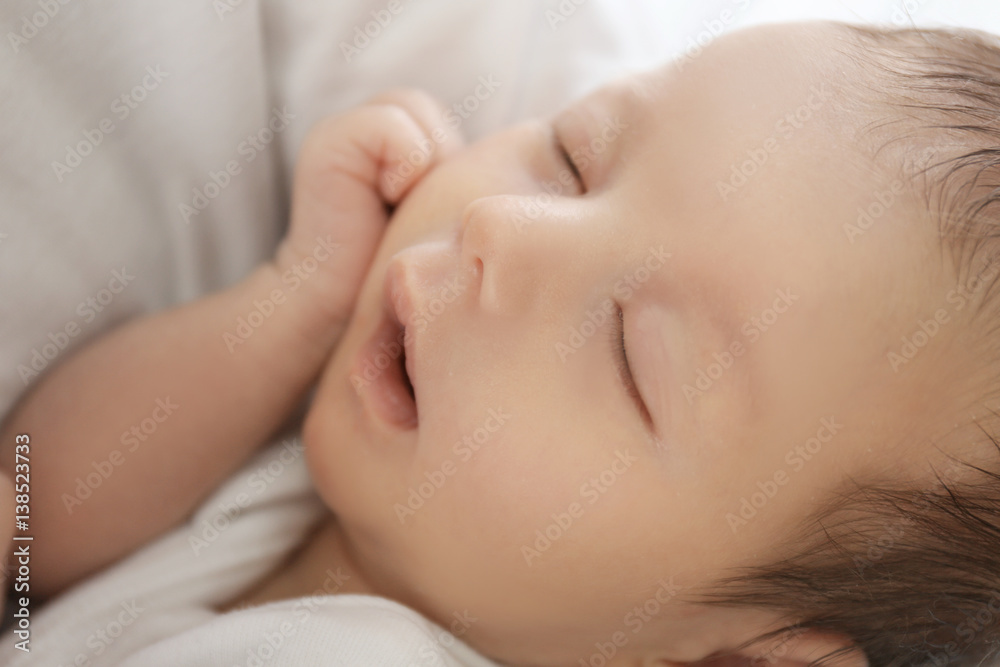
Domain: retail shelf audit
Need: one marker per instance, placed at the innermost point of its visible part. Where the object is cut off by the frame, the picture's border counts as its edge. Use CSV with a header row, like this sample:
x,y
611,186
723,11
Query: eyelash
x,y
617,338
570,163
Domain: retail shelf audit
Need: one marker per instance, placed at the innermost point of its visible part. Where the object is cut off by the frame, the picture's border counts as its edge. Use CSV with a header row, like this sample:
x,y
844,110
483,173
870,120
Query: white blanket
x,y
157,606
117,122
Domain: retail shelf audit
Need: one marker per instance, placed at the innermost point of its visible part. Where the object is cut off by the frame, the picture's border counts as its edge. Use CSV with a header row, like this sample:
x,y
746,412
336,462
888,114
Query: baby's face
x,y
556,494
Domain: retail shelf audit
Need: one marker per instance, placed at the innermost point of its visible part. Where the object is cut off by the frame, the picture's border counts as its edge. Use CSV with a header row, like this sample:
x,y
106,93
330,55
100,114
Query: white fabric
x,y
157,606
210,73
113,114
222,75
225,69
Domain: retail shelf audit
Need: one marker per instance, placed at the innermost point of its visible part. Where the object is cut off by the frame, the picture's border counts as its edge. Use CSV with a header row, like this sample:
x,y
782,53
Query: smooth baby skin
x,y
554,526
549,488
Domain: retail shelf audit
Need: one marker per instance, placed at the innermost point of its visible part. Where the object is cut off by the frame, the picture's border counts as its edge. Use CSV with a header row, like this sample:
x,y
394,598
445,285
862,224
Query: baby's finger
x,y
350,168
440,138
438,122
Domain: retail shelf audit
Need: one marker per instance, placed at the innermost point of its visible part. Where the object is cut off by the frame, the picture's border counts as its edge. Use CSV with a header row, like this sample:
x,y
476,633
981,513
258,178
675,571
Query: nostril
x,y
473,270
489,245
471,240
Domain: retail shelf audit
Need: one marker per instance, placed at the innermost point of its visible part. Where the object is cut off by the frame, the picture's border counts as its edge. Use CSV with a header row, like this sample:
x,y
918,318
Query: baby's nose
x,y
518,248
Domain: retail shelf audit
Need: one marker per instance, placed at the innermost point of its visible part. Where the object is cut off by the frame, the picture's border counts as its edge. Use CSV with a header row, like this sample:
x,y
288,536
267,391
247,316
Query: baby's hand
x,y
352,169
179,362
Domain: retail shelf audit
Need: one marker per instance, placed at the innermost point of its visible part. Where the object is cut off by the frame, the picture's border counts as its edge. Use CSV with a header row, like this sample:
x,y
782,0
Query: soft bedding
x,y
146,156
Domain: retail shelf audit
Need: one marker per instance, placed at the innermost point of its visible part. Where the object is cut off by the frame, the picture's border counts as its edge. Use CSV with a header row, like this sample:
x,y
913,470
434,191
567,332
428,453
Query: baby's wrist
x,y
283,310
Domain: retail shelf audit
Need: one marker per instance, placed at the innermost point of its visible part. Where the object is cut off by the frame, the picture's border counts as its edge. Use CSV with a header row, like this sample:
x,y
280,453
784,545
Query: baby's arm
x,y
129,434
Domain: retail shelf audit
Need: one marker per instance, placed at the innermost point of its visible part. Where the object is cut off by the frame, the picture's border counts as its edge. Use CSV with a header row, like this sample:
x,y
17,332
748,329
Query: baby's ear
x,y
791,649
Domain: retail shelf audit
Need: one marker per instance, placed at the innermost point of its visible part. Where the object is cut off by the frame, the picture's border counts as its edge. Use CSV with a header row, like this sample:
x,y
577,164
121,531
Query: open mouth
x,y
384,375
383,372
402,374
406,381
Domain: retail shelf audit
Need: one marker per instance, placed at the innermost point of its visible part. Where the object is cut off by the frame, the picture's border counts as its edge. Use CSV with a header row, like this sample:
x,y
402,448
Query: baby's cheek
x,y
524,485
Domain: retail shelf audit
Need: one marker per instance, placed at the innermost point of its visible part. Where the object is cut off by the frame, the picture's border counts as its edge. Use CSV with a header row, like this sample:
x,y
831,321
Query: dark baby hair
x,y
910,573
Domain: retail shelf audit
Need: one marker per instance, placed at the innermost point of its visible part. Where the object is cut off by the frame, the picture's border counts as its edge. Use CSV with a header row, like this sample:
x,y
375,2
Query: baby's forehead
x,y
763,99
787,79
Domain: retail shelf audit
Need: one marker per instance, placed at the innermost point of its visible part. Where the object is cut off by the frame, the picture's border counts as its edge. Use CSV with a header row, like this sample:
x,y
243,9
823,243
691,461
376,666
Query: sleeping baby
x,y
697,371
